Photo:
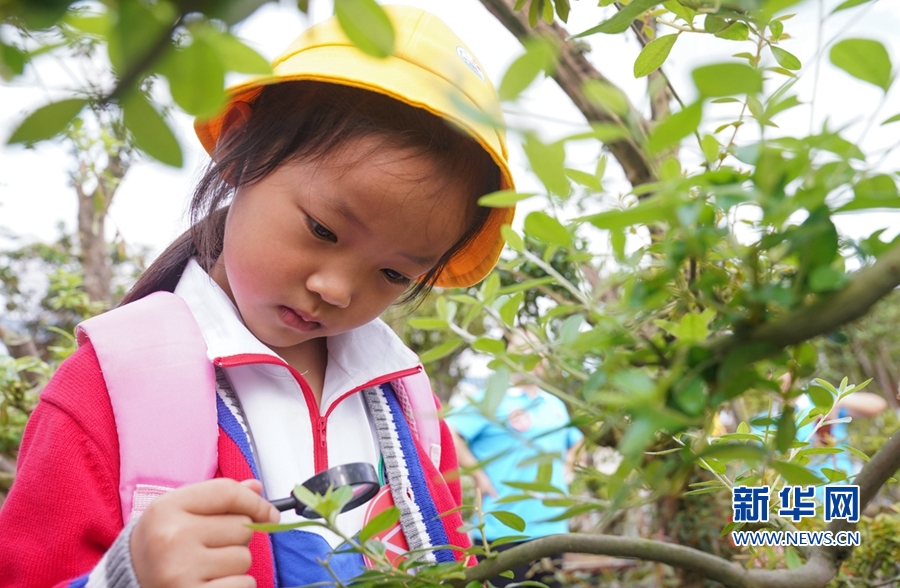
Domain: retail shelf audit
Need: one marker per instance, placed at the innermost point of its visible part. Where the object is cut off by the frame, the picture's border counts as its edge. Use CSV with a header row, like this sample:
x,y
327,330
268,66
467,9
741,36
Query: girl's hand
x,y
197,535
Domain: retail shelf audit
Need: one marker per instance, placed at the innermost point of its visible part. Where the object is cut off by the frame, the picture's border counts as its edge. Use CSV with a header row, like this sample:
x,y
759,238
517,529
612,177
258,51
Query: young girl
x,y
337,186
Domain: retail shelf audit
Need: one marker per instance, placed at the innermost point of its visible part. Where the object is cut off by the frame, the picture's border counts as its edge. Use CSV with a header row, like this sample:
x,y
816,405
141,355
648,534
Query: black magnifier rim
x,y
357,475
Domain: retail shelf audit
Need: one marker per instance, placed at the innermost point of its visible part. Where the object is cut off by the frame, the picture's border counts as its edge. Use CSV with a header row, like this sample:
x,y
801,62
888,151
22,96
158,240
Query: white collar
x,y
355,358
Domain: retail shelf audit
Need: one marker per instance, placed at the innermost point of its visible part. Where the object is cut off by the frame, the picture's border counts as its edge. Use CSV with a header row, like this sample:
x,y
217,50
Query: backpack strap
x,y
422,409
162,388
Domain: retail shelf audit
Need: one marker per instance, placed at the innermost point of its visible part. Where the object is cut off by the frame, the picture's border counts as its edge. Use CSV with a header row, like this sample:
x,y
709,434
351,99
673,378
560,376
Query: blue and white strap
x,y
419,516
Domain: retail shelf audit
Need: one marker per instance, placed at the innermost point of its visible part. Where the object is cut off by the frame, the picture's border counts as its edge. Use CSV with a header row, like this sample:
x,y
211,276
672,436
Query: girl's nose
x,y
334,287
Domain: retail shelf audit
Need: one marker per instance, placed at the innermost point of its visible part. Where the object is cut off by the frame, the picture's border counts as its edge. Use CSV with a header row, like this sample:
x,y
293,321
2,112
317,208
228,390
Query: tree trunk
x,y
94,255
93,207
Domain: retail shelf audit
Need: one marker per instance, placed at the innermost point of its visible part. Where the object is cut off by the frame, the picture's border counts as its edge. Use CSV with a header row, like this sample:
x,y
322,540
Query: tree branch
x,y
688,558
572,71
865,288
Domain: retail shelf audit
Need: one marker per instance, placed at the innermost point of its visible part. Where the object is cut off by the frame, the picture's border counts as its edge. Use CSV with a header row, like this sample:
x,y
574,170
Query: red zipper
x,y
319,422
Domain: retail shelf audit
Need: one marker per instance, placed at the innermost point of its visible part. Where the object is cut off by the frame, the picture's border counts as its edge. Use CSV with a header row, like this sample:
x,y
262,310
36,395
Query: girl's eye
x,y
396,277
320,232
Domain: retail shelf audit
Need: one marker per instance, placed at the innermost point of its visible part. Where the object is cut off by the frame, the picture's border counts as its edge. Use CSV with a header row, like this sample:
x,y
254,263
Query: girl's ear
x,y
233,121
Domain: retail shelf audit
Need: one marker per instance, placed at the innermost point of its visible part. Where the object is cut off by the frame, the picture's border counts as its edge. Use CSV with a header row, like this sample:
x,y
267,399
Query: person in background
x,y
527,423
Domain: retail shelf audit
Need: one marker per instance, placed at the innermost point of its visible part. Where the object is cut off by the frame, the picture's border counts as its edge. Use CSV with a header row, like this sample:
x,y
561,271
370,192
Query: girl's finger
x,y
221,562
224,496
225,530
253,484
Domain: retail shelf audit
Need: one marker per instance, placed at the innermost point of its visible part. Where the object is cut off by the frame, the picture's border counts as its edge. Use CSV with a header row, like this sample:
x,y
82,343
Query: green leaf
x,y
733,452
741,437
495,392
381,522
795,474
726,79
834,475
589,181
680,10
512,238
714,23
47,121
138,26
487,345
278,527
441,351
367,25
864,59
693,328
893,119
533,14
307,496
736,31
792,558
849,4
649,211
196,78
878,191
510,308
785,59
637,437
234,54
704,491
821,397
427,323
777,28
653,55
562,9
489,287
544,227
607,96
710,146
547,11
540,55
96,24
541,487
787,429
12,61
504,198
675,128
622,19
548,163
827,279
857,453
150,131
497,543
691,398
511,520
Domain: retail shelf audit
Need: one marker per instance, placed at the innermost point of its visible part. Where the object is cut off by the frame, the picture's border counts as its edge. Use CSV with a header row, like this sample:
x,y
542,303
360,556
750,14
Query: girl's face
x,y
317,248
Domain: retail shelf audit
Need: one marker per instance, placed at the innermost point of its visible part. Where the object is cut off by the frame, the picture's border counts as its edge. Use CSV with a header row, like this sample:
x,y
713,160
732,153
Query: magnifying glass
x,y
361,477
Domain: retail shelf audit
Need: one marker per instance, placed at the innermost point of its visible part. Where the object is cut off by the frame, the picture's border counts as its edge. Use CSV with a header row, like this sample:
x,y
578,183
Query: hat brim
x,y
395,77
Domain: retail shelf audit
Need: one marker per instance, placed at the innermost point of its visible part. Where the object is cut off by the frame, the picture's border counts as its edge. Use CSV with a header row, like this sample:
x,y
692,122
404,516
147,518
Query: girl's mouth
x,y
298,320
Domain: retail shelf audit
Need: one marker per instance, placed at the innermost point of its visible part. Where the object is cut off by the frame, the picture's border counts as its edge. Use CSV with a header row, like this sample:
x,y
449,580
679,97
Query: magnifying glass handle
x,y
283,504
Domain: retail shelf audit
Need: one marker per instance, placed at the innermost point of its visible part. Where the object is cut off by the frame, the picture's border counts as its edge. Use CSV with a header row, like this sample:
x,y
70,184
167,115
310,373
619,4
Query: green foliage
x,y
190,46
654,55
865,59
41,316
367,25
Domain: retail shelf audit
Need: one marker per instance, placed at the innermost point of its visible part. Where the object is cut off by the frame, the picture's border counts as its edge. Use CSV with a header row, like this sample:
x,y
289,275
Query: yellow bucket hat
x,y
432,69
